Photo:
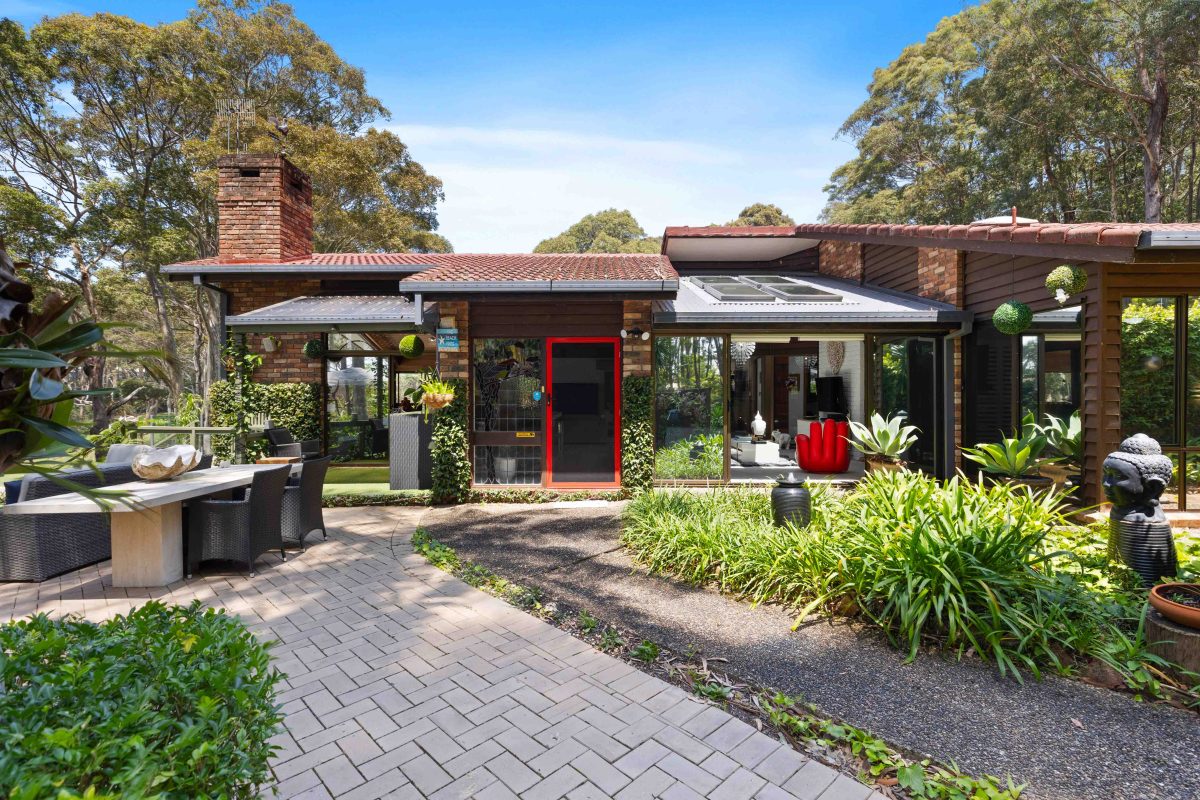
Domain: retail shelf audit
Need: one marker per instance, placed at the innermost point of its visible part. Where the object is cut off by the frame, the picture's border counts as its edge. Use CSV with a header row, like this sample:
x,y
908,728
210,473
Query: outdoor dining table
x,y
147,523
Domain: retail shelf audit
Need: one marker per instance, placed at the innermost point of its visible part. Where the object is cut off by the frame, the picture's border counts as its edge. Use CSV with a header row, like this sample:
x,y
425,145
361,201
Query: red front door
x,y
583,412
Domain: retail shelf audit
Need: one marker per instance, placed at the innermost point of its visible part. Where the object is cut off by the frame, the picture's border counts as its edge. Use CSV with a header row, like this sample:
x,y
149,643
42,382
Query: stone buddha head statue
x,y
1137,473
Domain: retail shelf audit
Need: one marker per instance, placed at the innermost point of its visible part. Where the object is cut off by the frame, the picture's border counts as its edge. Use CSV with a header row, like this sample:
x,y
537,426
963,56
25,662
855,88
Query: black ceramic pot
x,y
791,501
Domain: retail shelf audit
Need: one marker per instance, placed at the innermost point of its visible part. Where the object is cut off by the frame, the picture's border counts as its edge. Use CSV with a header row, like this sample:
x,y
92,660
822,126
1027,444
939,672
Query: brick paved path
x,y
405,682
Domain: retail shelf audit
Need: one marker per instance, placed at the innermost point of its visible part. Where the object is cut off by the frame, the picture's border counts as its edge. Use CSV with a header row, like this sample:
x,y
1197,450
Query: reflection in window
x,y
907,382
1029,377
689,416
356,405
1148,364
507,382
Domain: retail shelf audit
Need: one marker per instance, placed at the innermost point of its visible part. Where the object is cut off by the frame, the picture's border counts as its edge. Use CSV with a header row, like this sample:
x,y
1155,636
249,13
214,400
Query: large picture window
x,y
1160,385
689,418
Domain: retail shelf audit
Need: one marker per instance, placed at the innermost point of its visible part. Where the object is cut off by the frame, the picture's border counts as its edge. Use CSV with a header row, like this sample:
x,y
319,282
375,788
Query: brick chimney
x,y
264,209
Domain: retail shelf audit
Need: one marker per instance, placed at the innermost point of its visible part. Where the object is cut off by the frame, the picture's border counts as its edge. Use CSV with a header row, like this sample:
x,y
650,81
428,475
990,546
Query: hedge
x,y
637,433
450,449
294,406
167,701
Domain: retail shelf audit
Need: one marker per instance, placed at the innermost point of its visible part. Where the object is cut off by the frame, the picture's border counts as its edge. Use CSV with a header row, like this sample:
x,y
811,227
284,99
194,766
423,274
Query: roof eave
x,y
540,287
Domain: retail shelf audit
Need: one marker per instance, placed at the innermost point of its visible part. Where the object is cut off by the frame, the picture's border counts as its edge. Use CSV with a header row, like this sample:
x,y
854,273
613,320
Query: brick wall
x,y
940,274
455,364
264,209
841,260
287,364
636,355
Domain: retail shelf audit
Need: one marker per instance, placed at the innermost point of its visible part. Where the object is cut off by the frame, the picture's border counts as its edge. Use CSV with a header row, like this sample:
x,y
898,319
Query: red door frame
x,y
616,343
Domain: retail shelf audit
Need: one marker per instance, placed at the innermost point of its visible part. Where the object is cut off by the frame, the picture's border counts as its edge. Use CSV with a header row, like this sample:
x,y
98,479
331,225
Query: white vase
x,y
759,426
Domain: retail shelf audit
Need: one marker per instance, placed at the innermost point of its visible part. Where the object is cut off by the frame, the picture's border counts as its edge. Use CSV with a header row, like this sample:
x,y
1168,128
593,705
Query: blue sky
x,y
534,114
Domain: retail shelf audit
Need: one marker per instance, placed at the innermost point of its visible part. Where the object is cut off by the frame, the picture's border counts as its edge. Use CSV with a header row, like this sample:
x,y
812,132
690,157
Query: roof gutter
x,y
290,269
1173,240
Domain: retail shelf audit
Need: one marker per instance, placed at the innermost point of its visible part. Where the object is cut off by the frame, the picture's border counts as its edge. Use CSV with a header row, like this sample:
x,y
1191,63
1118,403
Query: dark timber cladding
x,y
505,319
992,278
892,267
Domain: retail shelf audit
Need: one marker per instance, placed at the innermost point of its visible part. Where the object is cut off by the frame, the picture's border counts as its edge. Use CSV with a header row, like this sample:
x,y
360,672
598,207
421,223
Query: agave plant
x,y
1065,436
38,349
1017,456
885,438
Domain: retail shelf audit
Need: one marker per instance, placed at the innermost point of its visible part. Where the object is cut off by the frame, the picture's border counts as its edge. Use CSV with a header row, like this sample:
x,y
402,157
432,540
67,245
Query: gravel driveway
x,y
1066,740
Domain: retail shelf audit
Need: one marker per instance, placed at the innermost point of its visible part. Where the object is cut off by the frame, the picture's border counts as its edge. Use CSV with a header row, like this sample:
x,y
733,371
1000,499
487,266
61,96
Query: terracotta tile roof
x,y
457,267
1096,234
731,231
472,267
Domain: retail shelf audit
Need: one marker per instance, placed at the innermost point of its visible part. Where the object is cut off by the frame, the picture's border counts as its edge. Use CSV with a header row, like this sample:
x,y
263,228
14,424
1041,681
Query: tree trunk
x,y
170,349
1152,146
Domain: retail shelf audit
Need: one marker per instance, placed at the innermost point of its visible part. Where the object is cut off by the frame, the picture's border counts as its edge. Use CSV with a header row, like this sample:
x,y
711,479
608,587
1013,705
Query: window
x,y
507,412
906,376
1160,385
689,417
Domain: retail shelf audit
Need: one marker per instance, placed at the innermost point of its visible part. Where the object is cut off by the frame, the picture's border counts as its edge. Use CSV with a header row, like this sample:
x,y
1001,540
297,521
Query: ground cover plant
x,y
992,570
851,750
162,702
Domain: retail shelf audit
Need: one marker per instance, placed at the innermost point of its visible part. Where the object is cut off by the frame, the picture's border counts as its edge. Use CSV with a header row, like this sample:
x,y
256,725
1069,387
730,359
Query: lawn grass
x,y
358,475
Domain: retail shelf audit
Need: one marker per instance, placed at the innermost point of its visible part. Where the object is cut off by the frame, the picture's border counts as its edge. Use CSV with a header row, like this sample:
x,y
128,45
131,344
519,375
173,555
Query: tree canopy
x,y
1070,111
608,231
762,214
109,136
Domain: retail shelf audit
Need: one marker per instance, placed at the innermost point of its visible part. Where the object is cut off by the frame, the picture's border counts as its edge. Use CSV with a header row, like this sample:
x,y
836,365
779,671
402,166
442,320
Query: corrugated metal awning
x,y
346,313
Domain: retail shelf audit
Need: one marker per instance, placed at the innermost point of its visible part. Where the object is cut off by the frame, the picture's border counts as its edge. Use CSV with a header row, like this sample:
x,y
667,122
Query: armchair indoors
x,y
239,530
281,443
302,503
826,448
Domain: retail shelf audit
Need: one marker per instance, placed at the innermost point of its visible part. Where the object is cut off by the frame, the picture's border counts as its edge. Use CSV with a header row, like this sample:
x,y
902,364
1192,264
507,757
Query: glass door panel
x,y
906,382
583,414
507,413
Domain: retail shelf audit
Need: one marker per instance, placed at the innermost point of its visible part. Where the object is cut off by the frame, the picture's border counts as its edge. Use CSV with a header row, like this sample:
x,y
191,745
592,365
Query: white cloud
x,y
507,188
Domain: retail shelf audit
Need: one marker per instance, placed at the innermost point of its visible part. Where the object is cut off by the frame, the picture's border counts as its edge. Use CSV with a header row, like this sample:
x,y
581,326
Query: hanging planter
x,y
1066,280
412,346
314,348
1012,317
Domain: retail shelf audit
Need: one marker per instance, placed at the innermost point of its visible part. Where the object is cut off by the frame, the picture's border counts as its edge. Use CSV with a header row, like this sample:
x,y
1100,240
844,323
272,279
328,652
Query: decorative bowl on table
x,y
165,463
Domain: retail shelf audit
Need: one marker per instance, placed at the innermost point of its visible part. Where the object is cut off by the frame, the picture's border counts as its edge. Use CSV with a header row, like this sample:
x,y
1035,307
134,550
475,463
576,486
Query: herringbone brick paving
x,y
403,681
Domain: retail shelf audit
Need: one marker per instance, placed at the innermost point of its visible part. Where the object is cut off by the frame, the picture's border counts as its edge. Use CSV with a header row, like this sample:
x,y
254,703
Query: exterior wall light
x,y
635,333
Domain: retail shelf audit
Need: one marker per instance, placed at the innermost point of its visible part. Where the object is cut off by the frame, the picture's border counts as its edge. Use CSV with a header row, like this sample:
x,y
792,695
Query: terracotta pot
x,y
1176,612
883,464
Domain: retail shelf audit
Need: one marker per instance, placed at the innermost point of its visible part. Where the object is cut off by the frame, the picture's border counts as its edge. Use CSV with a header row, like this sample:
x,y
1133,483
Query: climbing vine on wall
x,y
450,450
637,432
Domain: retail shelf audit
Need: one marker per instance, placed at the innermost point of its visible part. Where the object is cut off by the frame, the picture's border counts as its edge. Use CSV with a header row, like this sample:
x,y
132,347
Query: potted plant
x,y
1065,437
884,441
1178,602
436,393
1015,459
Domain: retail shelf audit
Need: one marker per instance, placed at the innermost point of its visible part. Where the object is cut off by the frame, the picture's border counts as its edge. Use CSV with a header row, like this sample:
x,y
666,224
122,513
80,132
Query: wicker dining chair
x,y
239,530
302,503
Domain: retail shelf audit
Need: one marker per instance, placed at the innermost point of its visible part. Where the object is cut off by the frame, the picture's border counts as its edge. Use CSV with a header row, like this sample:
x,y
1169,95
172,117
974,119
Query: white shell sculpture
x,y
165,463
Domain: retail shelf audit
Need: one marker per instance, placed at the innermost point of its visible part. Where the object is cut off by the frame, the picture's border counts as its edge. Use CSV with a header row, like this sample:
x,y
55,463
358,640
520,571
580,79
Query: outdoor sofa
x,y
34,547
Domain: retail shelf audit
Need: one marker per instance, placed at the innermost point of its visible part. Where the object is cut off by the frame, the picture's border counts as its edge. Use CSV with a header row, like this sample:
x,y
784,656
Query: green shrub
x,y
678,462
295,406
637,432
450,449
975,567
162,702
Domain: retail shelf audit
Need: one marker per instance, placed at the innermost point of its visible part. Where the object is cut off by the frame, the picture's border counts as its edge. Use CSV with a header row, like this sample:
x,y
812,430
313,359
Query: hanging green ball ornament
x,y
412,346
314,348
1066,280
1012,317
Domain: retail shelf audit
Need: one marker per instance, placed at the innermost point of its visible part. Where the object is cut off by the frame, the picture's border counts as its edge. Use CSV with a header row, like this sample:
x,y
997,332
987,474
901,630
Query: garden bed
x,y
990,571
